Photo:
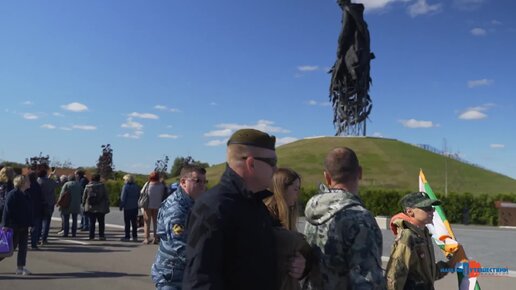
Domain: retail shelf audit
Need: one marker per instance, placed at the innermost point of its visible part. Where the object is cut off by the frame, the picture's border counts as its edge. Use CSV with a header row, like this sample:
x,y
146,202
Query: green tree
x,y
105,164
180,161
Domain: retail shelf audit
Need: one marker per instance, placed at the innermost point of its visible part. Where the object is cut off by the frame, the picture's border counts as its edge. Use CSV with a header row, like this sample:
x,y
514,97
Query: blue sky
x,y
176,78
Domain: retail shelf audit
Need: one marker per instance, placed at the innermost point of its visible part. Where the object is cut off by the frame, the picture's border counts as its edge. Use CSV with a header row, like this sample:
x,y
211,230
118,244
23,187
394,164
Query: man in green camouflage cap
x,y
345,237
412,261
230,241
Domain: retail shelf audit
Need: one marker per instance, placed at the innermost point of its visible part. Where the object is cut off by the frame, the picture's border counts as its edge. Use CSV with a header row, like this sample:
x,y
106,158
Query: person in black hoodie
x,y
17,215
230,234
37,199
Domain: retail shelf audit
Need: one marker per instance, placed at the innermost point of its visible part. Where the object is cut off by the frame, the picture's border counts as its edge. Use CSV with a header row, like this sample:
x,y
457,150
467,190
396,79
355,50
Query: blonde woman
x,y
6,185
17,216
286,184
283,208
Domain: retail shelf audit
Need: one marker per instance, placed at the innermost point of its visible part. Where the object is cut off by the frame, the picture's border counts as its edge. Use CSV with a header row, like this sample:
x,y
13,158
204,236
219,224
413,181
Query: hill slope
x,y
387,164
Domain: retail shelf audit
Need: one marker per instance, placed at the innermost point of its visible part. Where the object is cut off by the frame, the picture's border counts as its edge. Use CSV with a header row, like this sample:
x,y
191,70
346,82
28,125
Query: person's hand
x,y
297,266
458,256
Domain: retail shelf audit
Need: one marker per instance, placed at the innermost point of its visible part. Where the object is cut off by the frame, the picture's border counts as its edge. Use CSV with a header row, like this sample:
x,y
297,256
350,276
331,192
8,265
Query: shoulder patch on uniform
x,y
177,229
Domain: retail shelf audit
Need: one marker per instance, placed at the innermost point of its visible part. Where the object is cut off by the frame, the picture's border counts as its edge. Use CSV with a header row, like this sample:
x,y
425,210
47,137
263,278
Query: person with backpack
x,y
95,201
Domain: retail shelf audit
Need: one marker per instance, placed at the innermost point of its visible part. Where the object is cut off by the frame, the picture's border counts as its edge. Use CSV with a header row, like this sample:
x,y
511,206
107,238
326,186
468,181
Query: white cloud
x,y
285,140
170,136
413,123
377,4
160,107
134,135
377,134
48,126
65,128
84,127
497,146
75,107
477,31
421,8
219,133
216,142
130,124
262,125
315,103
226,129
30,116
213,104
169,126
496,22
27,103
144,115
56,114
475,113
478,83
472,114
307,68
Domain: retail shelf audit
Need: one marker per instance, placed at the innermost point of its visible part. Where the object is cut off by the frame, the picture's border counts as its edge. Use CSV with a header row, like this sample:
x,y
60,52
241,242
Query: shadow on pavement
x,y
76,275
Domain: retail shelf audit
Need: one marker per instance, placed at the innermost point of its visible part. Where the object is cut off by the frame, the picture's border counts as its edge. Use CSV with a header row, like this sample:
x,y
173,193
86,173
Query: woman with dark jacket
x,y
17,216
129,204
95,201
6,185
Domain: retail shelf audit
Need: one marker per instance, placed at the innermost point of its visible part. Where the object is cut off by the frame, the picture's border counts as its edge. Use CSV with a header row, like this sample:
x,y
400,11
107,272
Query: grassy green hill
x,y
387,164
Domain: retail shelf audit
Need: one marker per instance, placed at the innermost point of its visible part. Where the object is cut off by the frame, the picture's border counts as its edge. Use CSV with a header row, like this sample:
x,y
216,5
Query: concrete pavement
x,y
82,264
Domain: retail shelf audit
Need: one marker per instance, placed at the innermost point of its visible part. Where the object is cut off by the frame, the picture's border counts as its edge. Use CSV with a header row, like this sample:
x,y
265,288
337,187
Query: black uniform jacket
x,y
230,239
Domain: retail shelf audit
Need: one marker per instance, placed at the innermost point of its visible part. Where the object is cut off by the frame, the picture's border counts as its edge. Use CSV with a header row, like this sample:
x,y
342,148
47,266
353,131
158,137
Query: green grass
x,y
387,164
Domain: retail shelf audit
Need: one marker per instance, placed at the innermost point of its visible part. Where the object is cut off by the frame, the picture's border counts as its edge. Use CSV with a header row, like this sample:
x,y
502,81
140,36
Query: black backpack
x,y
93,196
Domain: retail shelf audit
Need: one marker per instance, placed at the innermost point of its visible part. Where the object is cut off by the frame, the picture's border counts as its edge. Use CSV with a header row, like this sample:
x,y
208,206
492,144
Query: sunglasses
x,y
271,161
427,208
198,180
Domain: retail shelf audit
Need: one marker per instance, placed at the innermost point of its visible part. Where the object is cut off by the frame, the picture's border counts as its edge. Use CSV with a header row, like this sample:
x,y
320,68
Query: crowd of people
x,y
242,233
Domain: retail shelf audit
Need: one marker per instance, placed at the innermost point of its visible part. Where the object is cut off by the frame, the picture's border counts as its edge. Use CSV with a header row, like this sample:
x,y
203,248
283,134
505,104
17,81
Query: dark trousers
x,y
35,232
20,240
66,224
85,221
130,220
93,217
47,218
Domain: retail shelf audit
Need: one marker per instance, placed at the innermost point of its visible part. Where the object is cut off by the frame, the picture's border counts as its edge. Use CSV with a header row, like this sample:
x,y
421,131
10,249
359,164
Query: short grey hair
x,y
128,178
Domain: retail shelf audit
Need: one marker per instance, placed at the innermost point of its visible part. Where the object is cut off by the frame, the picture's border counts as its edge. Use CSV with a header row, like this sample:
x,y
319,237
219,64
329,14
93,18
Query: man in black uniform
x,y
230,239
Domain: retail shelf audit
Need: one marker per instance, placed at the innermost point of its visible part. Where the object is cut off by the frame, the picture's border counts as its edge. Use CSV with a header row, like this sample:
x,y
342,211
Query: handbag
x,y
64,200
6,242
143,200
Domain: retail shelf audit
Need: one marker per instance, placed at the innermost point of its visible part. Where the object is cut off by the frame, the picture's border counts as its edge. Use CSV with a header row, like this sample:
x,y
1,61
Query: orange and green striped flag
x,y
444,237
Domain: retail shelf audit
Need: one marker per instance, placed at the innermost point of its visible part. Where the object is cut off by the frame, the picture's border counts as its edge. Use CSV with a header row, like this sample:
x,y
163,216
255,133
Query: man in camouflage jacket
x,y
167,270
345,237
412,262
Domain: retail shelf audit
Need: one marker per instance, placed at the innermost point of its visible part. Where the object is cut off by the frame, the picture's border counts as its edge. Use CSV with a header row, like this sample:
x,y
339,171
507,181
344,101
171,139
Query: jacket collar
x,y
232,179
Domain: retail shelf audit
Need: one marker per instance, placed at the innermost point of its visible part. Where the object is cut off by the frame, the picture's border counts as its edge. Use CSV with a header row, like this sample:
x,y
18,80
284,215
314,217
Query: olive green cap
x,y
418,199
252,137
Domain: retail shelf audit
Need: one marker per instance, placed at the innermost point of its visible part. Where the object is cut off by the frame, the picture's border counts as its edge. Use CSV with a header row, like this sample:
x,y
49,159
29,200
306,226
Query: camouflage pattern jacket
x,y
412,261
170,262
346,241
